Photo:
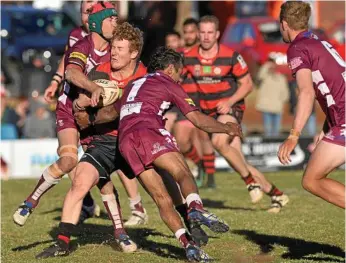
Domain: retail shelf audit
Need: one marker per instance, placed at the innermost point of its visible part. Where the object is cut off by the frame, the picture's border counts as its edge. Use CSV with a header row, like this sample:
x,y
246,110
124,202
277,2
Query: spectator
x,y
9,118
173,40
39,124
272,95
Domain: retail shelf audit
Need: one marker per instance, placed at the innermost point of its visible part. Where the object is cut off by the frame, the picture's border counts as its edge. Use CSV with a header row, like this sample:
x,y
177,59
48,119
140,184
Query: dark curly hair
x,y
163,57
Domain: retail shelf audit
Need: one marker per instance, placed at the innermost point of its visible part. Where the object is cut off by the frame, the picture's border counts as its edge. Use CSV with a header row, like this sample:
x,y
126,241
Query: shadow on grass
x,y
221,205
297,248
102,234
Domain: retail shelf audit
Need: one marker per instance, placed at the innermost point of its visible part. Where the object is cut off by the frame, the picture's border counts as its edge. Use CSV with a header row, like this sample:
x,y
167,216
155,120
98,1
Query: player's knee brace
x,y
68,158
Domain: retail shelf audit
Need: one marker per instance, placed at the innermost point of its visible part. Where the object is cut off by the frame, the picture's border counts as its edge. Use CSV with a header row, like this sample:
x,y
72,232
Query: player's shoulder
x,y
225,51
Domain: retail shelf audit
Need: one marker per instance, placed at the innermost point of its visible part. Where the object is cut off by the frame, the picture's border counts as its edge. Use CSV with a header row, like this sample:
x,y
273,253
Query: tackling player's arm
x,y
75,75
210,125
200,120
75,65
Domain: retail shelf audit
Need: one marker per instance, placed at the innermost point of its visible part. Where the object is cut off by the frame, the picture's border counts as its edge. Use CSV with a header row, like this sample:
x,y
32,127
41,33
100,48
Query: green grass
x,y
307,230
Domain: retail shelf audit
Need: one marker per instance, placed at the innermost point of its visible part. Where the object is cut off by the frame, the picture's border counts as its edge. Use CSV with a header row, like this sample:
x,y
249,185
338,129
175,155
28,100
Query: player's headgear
x,y
100,12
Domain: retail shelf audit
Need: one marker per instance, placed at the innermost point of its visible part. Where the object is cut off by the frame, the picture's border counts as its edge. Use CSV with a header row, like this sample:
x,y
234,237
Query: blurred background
x,y
34,35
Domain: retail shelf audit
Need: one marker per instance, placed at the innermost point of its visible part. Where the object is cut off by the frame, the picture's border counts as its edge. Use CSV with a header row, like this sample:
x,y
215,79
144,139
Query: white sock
x,y
134,201
48,182
193,197
113,210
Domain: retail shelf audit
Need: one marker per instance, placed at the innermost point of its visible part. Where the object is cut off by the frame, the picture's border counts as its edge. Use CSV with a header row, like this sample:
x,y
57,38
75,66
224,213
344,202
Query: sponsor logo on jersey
x,y
344,75
80,56
206,69
295,63
217,71
197,70
190,102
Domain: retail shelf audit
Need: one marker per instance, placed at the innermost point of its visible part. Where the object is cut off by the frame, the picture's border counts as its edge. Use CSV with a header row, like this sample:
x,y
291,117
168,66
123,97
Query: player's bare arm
x,y
210,125
245,87
75,75
306,98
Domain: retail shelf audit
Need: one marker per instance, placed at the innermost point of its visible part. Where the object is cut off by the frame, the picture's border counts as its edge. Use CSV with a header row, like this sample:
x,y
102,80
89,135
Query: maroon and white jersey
x,y
146,100
84,55
328,73
75,35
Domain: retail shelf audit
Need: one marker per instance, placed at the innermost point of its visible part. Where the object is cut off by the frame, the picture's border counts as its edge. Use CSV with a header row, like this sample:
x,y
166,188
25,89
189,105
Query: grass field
x,y
307,230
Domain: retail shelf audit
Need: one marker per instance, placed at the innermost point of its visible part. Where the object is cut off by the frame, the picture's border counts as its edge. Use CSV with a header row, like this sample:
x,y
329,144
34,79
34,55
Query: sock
x,y
182,210
194,201
136,204
274,191
209,163
192,154
249,179
112,205
88,200
66,230
182,237
45,183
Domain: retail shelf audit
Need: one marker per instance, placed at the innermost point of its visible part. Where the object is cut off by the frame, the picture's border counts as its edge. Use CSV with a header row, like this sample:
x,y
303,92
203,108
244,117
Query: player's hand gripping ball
x,y
111,92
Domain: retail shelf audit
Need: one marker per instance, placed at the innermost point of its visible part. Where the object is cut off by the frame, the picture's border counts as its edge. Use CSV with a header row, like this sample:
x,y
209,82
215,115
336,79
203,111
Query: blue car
x,y
26,28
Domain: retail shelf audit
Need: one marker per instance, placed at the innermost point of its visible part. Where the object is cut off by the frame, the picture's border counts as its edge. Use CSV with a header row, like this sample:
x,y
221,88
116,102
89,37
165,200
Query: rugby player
x,y
223,81
79,61
145,144
186,134
320,74
123,68
100,159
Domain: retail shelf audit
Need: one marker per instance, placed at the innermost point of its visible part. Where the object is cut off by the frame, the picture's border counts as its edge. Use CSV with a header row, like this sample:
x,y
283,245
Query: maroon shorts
x,y
140,148
64,114
65,119
336,135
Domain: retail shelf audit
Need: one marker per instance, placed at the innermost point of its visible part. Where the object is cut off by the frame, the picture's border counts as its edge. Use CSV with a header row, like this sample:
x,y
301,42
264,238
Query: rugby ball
x,y
112,92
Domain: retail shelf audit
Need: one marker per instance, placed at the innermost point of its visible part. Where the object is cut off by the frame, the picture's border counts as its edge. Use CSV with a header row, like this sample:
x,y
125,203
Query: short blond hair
x,y
296,14
210,19
134,35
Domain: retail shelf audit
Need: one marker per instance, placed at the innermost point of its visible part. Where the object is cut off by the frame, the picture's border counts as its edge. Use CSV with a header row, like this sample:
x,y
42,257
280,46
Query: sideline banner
x,y
28,158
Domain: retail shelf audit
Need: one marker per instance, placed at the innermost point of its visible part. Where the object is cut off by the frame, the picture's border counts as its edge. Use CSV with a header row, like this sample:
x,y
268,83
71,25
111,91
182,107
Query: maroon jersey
x,y
75,35
328,73
146,100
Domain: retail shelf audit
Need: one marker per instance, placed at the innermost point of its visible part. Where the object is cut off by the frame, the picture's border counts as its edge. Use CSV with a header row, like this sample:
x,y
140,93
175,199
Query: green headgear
x,y
95,19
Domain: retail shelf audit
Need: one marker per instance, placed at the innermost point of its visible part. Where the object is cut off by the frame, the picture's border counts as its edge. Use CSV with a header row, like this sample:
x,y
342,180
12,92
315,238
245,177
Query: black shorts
x,y
237,111
103,154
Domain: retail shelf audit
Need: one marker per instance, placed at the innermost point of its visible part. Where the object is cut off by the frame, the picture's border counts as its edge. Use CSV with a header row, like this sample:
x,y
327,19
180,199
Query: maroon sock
x,y
139,207
249,179
196,205
184,241
274,191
